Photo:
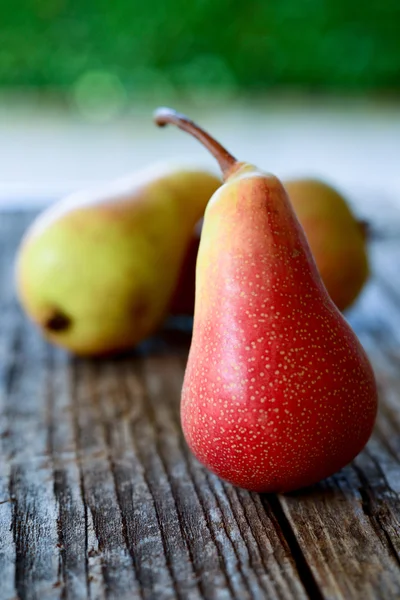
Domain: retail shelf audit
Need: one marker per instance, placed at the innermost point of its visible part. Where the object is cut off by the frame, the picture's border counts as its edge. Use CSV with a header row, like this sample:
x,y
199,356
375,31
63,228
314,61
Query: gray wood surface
x,y
100,498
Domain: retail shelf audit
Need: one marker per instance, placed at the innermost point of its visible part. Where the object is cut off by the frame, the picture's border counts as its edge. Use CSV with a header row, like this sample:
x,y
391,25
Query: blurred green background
x,y
87,48
296,86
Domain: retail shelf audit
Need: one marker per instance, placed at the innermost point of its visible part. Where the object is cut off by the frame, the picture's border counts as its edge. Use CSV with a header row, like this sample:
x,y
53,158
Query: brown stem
x,y
163,116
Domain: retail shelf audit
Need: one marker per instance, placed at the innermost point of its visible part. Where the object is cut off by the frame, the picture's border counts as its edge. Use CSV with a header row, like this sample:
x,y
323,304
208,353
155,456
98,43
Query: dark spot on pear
x,y
58,321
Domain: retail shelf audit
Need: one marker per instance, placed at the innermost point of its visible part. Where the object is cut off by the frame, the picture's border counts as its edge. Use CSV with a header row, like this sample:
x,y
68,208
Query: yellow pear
x,y
337,240
97,271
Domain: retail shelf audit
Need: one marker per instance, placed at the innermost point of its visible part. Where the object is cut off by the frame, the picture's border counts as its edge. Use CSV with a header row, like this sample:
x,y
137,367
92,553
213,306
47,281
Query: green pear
x,y
97,271
337,240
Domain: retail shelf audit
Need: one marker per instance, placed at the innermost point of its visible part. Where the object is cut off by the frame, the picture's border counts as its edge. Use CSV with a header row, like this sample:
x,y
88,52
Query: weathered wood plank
x,y
30,481
347,558
76,572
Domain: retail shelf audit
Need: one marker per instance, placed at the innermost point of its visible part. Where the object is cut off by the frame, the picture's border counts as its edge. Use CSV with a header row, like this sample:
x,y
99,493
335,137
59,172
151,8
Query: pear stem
x,y
164,116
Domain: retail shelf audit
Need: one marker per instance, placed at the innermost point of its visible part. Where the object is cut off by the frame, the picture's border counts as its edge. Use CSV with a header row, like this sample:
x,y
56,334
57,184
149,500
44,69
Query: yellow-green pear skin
x,y
337,240
96,272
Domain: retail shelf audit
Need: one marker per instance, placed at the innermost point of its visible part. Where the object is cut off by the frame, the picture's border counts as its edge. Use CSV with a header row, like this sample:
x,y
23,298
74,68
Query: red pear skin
x,y
278,392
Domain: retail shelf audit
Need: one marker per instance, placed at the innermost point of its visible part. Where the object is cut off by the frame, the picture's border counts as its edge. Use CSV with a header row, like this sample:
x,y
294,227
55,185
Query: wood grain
x,y
100,497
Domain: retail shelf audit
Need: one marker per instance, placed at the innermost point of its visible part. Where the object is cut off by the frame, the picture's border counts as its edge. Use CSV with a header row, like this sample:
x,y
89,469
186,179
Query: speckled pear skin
x,y
336,238
108,261
278,392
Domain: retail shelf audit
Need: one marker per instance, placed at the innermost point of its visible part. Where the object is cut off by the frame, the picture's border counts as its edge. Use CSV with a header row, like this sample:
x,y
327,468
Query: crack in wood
x,y
374,513
285,531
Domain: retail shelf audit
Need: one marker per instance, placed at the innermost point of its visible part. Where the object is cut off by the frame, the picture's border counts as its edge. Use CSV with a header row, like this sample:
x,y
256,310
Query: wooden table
x,y
100,498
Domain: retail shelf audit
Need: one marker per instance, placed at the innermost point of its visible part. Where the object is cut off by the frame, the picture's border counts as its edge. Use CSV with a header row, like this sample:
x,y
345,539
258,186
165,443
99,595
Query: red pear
x,y
278,392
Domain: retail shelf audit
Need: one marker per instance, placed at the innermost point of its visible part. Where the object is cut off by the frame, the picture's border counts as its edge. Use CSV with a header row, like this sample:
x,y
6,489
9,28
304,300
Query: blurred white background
x,y
48,151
